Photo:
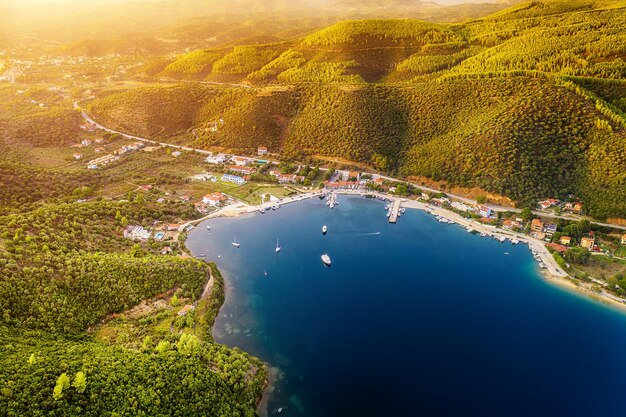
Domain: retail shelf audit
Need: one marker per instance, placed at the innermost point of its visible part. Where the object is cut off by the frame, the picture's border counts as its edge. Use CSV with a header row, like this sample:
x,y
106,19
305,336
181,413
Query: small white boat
x,y
324,229
388,214
332,205
326,259
278,248
262,211
387,207
235,243
208,228
470,230
515,241
502,239
483,234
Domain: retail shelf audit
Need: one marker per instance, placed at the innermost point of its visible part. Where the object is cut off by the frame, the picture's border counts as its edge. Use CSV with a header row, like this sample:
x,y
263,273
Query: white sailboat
x,y
324,229
326,259
278,248
235,243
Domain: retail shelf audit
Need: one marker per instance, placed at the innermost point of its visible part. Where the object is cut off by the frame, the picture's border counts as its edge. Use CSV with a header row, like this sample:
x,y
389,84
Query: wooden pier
x,y
393,217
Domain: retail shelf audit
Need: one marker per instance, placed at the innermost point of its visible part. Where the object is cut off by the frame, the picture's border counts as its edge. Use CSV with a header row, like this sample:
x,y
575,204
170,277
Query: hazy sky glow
x,y
30,3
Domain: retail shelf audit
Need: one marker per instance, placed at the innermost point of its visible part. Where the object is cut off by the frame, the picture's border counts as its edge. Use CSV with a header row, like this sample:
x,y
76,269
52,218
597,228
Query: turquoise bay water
x,y
421,319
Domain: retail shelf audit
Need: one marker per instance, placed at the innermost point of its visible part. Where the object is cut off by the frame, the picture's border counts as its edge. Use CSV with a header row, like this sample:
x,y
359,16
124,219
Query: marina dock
x,y
393,216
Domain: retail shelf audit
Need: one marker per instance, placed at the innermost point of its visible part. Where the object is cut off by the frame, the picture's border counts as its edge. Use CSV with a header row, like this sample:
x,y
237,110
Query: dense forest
x,y
65,266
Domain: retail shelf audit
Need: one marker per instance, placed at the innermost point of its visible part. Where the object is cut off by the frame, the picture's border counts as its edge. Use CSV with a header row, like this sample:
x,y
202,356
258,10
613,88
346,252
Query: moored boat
x,y
326,259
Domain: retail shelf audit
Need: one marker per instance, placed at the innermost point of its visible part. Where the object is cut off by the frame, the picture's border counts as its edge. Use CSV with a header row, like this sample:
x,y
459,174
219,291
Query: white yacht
x,y
326,259
278,248
324,229
235,243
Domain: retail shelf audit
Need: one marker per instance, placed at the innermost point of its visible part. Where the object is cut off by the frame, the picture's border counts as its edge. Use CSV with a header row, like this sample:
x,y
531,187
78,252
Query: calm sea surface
x,y
413,319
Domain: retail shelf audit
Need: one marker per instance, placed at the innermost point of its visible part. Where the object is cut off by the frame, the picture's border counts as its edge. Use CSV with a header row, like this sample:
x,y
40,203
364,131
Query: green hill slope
x,y
528,102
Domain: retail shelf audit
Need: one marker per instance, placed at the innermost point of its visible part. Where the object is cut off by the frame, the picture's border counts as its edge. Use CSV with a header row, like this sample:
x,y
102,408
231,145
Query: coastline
x,y
552,274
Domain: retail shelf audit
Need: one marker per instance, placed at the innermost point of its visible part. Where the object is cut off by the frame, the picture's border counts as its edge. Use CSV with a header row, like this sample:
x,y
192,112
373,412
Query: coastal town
x,y
559,234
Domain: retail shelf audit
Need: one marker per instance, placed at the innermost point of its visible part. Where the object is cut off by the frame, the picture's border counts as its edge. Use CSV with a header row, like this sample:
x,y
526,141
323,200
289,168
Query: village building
x,y
588,242
536,225
136,233
214,199
550,229
565,240
353,174
176,154
538,235
289,178
185,197
233,178
460,206
484,211
240,161
166,250
624,239
174,227
186,309
550,202
512,224
78,156
200,207
85,142
557,247
574,207
219,158
262,150
103,160
242,170
347,185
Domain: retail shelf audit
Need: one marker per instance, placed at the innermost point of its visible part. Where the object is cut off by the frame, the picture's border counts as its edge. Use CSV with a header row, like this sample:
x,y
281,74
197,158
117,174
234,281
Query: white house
x,y
219,158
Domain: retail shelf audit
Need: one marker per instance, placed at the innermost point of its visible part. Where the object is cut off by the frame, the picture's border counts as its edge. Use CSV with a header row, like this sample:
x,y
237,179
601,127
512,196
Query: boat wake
x,y
370,234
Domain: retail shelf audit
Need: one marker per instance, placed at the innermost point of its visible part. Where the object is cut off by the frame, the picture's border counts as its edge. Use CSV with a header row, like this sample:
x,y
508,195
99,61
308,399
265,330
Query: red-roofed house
x,y
557,247
183,311
214,199
588,242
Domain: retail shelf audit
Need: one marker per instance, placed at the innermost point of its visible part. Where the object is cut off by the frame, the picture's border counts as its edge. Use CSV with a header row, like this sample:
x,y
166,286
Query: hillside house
x,y
536,225
557,247
588,242
549,229
624,240
214,199
573,207
186,309
512,224
176,154
565,240
262,150
78,156
546,204
240,161
234,179
484,211
136,233
219,158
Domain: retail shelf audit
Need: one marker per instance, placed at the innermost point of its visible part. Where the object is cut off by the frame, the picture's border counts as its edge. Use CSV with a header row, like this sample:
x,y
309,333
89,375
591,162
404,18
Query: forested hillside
x,y
528,102
65,266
